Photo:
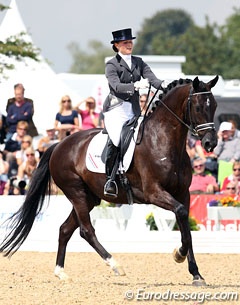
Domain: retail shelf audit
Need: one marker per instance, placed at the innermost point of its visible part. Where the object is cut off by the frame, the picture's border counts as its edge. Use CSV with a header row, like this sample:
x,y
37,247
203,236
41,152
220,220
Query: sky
x,y
54,24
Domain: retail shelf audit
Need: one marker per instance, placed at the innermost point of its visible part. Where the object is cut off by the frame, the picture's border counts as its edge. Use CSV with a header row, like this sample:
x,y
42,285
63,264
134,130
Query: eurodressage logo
x,y
200,297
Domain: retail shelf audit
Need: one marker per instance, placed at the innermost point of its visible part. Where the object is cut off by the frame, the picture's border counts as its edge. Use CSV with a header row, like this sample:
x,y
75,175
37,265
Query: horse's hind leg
x,y
65,232
88,233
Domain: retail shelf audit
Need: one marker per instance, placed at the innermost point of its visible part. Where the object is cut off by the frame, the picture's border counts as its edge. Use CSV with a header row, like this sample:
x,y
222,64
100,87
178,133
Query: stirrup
x,y
111,188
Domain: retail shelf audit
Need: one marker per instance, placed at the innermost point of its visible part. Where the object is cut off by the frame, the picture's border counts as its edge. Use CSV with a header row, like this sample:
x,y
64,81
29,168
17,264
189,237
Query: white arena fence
x,y
119,229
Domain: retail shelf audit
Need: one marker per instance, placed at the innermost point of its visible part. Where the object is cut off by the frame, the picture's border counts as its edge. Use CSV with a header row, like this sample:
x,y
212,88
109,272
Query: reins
x,y
146,111
194,130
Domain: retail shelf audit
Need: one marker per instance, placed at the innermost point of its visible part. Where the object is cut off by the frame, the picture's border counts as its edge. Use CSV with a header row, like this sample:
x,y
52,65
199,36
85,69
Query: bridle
x,y
193,129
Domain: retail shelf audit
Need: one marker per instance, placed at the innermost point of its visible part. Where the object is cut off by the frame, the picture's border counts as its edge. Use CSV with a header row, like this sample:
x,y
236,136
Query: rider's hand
x,y
141,84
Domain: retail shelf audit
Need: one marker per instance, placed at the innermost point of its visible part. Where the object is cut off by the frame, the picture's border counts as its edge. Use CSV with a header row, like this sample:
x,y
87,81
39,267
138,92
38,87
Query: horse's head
x,y
201,109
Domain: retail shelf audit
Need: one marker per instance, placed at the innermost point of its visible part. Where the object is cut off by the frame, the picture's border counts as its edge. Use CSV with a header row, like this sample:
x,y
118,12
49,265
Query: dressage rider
x,y
126,74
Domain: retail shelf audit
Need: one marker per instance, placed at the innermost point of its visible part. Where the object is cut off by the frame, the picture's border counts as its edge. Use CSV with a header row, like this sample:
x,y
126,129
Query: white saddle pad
x,y
95,148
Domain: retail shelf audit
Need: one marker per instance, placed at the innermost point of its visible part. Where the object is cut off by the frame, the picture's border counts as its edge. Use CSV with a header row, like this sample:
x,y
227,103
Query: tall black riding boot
x,y
110,188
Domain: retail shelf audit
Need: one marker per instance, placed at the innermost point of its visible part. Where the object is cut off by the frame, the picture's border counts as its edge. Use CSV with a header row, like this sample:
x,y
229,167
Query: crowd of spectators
x,y
19,156
22,146
207,171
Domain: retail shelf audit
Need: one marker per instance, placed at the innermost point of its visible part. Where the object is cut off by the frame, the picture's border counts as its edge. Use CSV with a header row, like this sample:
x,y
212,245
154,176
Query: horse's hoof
x,y
59,272
117,269
178,257
199,282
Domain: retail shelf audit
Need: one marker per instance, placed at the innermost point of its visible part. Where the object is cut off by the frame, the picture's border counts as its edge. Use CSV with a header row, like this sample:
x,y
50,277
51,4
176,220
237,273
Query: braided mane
x,y
169,87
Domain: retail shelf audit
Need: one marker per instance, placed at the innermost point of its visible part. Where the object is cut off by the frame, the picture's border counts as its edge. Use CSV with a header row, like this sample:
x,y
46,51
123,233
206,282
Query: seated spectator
x,y
13,145
202,182
45,142
231,188
143,101
21,154
18,109
190,146
234,178
4,168
228,148
211,164
89,117
235,131
67,121
26,169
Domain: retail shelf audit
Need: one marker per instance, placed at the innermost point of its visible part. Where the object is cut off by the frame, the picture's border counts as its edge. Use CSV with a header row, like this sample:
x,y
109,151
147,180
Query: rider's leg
x,y
110,188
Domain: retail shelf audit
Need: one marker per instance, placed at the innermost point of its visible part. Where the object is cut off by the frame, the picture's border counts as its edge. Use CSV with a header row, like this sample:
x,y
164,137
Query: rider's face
x,y
125,47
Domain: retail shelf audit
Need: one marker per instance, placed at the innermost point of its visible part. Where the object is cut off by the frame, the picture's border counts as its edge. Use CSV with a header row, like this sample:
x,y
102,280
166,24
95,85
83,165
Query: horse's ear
x,y
213,82
196,83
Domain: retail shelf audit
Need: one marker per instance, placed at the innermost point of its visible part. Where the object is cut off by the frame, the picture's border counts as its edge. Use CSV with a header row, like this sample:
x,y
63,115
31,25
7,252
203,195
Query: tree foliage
x,y
16,47
90,62
163,25
209,50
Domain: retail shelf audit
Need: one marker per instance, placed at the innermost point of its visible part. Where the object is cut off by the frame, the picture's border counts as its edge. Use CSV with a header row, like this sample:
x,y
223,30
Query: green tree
x,y
16,47
230,39
162,26
91,62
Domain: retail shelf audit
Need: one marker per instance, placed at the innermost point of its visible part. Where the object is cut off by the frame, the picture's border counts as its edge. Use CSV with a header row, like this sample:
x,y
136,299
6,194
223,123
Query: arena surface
x,y
27,279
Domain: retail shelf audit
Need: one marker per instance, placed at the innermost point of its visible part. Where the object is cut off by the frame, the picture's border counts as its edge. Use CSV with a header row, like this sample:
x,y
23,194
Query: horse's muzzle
x,y
209,140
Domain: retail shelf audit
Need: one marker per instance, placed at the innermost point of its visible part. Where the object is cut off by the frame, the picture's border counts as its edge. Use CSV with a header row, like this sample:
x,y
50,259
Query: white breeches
x,y
114,120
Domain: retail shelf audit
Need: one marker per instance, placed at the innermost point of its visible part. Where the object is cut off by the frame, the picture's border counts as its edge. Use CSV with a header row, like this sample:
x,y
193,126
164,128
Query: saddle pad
x,y
95,148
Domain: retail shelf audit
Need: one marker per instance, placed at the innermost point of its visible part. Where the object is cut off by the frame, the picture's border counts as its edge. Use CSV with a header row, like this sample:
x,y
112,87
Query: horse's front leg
x,y
186,249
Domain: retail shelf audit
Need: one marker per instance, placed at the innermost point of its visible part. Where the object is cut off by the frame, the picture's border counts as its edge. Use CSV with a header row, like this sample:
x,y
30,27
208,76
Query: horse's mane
x,y
169,87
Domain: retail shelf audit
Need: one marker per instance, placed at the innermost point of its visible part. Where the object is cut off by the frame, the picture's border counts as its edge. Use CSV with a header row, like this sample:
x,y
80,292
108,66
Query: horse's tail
x,y
22,221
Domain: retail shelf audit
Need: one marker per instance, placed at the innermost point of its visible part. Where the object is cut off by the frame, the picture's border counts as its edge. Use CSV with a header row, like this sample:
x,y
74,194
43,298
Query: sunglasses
x,y
199,165
66,101
26,142
22,128
231,188
28,155
236,169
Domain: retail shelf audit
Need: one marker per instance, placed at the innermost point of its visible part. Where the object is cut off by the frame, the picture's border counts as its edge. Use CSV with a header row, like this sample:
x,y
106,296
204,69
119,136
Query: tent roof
x,y
40,81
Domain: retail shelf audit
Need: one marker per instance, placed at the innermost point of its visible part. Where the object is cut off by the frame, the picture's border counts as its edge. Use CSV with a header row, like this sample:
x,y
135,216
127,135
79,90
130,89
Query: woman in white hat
x,y
126,74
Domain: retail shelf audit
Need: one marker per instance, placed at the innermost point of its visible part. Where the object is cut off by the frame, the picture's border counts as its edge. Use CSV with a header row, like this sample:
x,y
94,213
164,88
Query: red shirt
x,y
87,122
200,183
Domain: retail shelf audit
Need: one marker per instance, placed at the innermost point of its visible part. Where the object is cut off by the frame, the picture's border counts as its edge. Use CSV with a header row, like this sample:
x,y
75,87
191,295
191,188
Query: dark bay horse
x,y
160,173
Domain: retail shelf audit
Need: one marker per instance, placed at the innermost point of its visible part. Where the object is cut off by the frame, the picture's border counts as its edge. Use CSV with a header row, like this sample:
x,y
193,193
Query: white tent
x,y
40,81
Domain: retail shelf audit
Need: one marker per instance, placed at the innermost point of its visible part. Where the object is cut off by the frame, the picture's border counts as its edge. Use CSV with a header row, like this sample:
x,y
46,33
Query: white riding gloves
x,y
141,84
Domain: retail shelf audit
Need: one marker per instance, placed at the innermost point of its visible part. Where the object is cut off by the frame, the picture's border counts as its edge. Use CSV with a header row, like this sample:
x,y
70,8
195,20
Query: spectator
x,y
143,101
233,178
90,118
235,131
231,189
190,146
67,121
21,154
45,142
13,145
18,109
202,182
4,168
210,159
228,148
2,128
26,169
